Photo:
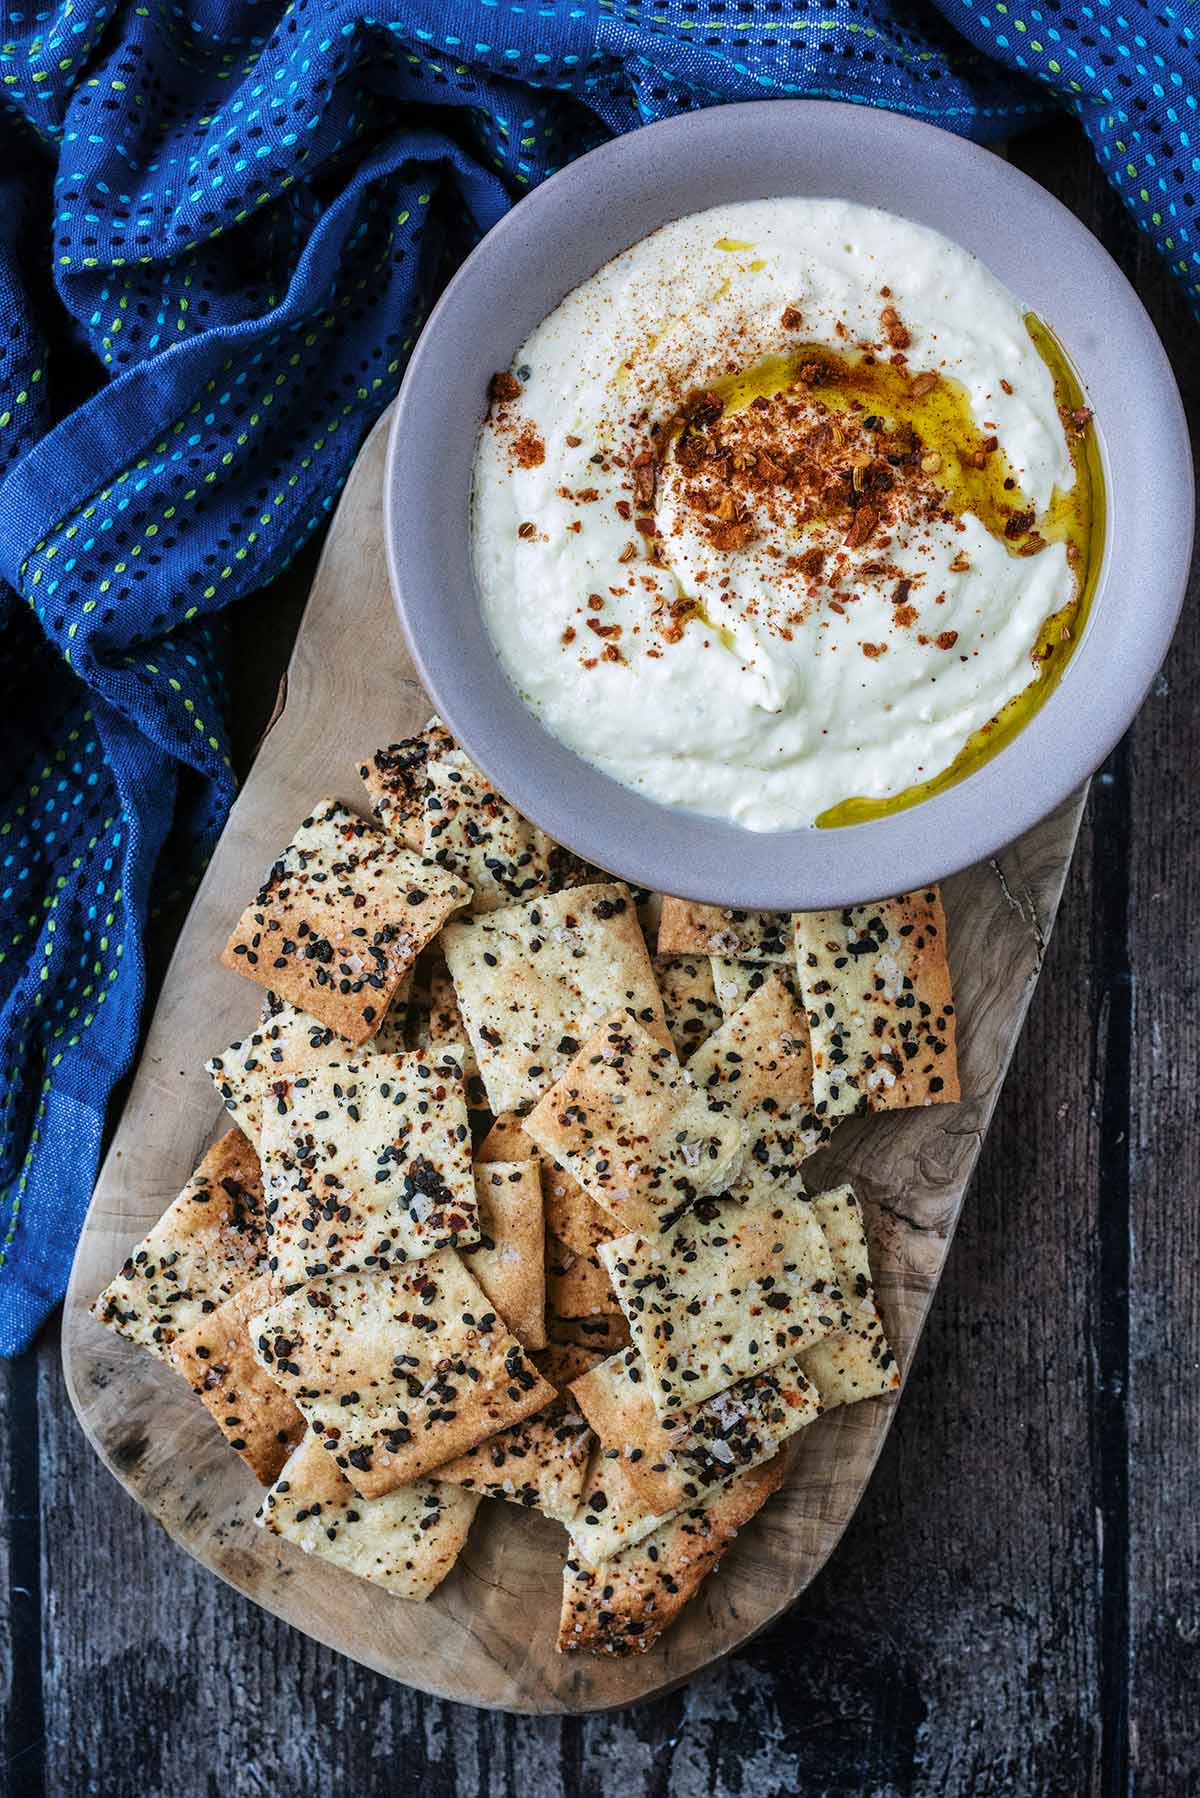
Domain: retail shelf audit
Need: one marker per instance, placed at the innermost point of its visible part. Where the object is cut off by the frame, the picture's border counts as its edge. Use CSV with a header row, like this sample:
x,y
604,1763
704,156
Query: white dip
x,y
830,660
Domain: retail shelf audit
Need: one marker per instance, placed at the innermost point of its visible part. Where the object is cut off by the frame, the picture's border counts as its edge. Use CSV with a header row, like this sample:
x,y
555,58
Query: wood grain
x,y
487,1637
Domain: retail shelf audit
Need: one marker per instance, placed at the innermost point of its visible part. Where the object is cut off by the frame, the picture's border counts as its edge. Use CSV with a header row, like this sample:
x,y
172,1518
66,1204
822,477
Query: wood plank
x,y
1162,1447
488,1634
21,1714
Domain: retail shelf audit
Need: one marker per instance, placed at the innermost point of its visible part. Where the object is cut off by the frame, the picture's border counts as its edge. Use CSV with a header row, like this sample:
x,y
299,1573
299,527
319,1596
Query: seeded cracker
x,y
689,1000
398,1372
729,1290
859,1362
674,1461
217,1360
472,830
759,1064
407,1541
624,1606
533,980
395,779
876,983
367,1164
540,1463
209,1241
340,919
688,929
509,1258
633,1129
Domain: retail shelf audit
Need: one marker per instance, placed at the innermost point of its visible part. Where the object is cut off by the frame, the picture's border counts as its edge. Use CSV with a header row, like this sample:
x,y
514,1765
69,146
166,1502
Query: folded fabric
x,y
221,225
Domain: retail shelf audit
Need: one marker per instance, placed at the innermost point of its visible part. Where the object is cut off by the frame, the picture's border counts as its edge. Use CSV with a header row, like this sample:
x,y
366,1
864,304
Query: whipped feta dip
x,y
767,515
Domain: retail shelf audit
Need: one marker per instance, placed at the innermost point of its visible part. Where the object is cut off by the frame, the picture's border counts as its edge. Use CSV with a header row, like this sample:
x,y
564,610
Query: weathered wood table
x,y
1016,1606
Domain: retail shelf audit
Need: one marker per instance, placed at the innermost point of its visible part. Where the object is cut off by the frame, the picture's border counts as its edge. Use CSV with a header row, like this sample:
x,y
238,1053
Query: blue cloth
x,y
221,225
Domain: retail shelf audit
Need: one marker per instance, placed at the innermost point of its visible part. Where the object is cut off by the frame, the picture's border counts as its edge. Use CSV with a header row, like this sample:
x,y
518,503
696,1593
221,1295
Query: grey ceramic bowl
x,y
568,228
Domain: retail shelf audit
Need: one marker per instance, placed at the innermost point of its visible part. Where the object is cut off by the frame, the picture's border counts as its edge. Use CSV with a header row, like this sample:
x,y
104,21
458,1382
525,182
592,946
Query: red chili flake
x,y
529,449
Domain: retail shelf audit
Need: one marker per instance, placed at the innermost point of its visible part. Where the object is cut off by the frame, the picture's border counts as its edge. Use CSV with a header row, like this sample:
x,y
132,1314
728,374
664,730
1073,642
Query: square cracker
x,y
876,982
208,1242
689,999
533,980
407,1541
509,1260
859,1362
398,1372
367,1163
726,1292
759,1064
688,929
339,920
540,1463
634,1130
624,1607
395,779
217,1360
676,1460
471,829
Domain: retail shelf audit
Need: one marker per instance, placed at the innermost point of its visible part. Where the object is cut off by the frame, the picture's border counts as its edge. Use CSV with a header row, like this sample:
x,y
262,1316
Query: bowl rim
x,y
973,197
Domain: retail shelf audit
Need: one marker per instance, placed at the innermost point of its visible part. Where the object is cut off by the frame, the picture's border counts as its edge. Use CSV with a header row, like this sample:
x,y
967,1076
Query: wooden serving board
x,y
487,1636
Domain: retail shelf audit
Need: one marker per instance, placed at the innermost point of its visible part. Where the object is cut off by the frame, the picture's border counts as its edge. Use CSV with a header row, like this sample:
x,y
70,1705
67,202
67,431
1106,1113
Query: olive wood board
x,y
487,1635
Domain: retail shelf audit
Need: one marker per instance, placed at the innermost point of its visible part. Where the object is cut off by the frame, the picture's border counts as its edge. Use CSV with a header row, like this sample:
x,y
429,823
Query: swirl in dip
x,y
784,516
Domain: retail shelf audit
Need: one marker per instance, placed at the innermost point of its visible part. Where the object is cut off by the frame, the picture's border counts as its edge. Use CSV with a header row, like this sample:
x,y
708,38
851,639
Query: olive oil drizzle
x,y
1074,516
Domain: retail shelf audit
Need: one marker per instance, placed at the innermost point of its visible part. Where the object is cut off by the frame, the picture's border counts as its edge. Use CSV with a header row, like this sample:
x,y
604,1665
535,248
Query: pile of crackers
x,y
514,1206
